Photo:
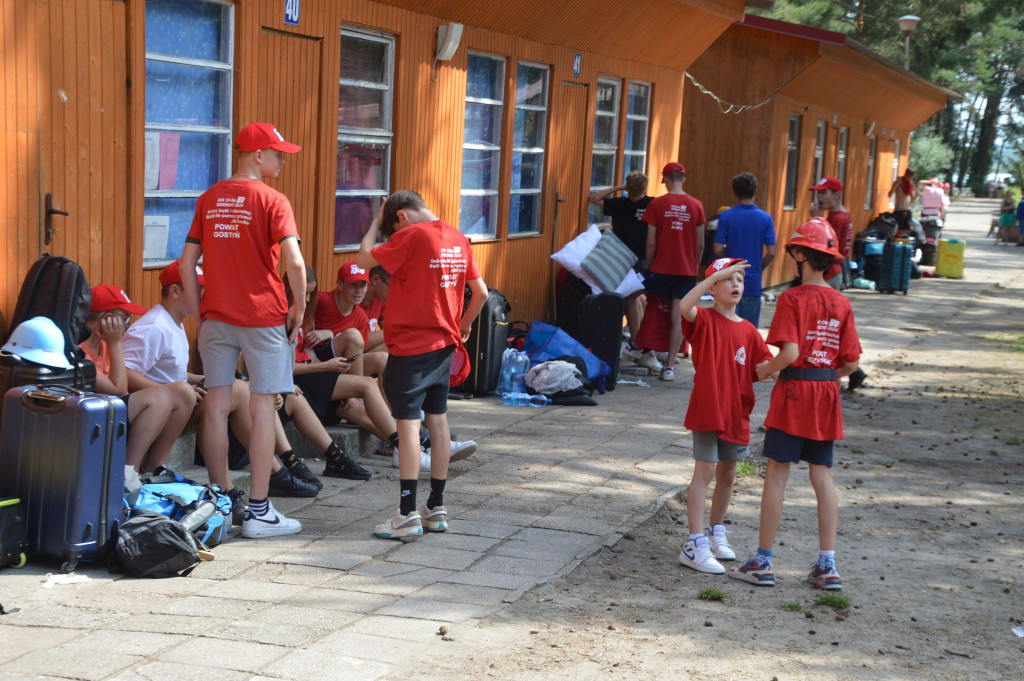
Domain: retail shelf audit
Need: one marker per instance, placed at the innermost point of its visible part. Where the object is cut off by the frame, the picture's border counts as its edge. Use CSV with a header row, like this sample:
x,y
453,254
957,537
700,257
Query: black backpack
x,y
56,287
153,545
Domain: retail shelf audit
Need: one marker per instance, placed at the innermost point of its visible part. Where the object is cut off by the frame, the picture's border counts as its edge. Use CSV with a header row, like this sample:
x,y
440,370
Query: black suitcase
x,y
599,328
15,372
894,274
13,533
62,453
487,342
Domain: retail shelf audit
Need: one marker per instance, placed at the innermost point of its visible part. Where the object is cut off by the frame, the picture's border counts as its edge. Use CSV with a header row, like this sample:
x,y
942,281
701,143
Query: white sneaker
x,y
632,351
720,545
271,524
663,357
696,554
424,457
434,519
462,450
649,361
398,526
668,375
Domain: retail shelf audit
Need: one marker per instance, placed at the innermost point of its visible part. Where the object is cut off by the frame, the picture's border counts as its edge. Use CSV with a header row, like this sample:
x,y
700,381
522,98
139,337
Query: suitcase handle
x,y
43,401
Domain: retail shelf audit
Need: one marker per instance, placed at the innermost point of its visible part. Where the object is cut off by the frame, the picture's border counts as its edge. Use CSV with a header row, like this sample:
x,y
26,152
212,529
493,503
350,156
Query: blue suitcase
x,y
894,274
62,452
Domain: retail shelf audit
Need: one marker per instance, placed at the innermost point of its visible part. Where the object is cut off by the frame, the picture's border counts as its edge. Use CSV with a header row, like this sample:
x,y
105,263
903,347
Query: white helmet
x,y
39,340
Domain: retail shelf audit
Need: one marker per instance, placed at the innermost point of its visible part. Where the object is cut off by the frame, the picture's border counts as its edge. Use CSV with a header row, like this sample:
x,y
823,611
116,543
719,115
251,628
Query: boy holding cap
x,y
675,242
242,227
430,264
156,415
726,352
341,326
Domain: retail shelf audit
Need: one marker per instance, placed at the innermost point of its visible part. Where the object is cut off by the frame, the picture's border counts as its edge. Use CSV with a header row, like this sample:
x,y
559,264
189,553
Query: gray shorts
x,y
707,446
269,357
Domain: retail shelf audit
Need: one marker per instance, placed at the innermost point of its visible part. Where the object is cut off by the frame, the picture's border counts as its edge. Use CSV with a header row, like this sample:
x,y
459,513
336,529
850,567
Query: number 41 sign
x,y
291,12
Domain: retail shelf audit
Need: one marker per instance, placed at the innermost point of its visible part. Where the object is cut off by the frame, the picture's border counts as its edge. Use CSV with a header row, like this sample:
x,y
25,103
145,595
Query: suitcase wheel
x,y
69,566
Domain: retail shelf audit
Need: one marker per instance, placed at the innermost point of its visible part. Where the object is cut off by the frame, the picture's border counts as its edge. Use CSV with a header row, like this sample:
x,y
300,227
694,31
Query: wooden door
x,y
65,135
289,98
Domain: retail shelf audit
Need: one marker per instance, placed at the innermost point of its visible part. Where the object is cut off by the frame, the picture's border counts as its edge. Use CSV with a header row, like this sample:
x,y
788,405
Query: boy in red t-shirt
x,y
341,323
726,350
814,331
430,264
675,242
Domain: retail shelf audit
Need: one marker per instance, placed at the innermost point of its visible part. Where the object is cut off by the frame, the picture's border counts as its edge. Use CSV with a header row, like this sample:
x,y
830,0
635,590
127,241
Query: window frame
x,y
895,170
820,135
646,118
370,136
869,192
605,149
842,147
496,193
225,133
792,162
546,108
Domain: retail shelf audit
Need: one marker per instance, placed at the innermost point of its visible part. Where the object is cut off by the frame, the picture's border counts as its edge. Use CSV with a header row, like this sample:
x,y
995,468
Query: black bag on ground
x,y
487,342
578,397
152,545
56,287
13,533
599,329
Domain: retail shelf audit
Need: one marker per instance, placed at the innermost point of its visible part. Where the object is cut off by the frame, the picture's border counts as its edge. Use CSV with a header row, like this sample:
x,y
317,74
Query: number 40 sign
x,y
291,12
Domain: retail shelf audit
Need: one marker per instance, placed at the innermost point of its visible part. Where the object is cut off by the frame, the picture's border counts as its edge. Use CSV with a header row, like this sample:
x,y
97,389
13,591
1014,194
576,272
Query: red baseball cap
x,y
460,366
721,264
106,298
673,168
257,136
828,183
172,274
350,273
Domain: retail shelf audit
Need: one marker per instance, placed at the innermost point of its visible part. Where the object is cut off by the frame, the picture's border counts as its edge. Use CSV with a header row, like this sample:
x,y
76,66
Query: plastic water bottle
x,y
203,512
521,399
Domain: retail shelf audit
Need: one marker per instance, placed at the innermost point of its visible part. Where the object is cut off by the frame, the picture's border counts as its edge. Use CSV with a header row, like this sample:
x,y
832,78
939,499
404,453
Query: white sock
x,y
718,530
695,537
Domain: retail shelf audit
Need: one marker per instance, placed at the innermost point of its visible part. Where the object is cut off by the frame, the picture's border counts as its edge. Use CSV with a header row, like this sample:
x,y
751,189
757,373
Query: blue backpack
x,y
177,498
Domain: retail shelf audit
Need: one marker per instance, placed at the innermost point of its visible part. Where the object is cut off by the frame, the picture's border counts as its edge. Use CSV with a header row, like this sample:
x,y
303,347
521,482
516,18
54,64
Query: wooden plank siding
x,y
74,118
818,81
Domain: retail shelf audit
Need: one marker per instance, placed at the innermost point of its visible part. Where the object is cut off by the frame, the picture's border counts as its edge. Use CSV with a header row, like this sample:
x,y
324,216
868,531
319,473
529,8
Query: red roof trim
x,y
774,25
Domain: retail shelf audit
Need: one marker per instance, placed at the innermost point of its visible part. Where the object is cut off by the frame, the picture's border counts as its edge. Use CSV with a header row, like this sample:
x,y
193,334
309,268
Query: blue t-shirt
x,y
745,230
1020,213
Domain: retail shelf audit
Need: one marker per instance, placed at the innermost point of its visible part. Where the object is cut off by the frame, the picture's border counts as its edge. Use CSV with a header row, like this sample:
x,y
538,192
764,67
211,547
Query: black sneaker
x,y
344,467
284,484
238,505
857,379
299,469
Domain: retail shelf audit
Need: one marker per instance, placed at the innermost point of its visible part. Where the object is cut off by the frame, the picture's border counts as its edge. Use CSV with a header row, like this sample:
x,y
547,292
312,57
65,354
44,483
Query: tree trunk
x,y
986,139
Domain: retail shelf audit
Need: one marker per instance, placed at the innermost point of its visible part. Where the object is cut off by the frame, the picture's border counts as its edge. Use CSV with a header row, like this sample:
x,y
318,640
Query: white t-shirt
x,y
157,347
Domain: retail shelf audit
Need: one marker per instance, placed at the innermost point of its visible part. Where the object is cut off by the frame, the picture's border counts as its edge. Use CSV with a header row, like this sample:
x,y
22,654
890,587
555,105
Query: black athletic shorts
x,y
669,285
318,389
417,382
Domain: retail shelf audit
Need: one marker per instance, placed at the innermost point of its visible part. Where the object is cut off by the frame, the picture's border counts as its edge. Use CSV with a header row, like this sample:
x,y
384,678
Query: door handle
x,y
48,219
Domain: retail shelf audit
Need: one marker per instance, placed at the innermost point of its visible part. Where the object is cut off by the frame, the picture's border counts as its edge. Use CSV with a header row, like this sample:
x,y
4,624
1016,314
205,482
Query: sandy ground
x,y
930,550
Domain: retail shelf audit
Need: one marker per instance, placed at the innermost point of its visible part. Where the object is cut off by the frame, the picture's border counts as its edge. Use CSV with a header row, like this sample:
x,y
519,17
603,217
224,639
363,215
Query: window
x,y
481,145
606,137
869,193
819,151
638,112
792,156
529,137
364,133
895,171
188,116
844,139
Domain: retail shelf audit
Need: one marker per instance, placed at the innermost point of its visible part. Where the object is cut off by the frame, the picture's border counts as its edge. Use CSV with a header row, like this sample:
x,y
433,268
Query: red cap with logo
x,y
721,264
828,183
350,273
673,168
172,274
106,298
257,136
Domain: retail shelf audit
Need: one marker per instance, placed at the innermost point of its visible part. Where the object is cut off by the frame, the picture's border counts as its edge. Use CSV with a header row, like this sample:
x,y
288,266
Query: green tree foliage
x,y
975,47
928,155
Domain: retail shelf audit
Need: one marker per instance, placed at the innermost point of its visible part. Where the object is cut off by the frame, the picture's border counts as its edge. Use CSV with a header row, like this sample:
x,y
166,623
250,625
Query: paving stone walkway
x,y
548,487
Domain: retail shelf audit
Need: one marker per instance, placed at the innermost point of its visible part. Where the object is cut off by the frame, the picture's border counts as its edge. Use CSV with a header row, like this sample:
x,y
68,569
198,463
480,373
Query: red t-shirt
x,y
820,320
240,224
430,264
843,228
328,316
725,356
374,312
677,218
301,356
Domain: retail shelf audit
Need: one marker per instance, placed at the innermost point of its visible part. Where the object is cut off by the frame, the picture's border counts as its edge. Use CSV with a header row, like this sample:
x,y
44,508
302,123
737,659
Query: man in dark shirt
x,y
626,213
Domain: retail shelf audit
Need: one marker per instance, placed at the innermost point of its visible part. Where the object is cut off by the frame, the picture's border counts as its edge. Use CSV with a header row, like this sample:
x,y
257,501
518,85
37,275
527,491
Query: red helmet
x,y
816,234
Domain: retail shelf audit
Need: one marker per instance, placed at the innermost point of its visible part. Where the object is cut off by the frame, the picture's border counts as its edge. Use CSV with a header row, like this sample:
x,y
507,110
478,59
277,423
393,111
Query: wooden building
x,y
120,112
815,103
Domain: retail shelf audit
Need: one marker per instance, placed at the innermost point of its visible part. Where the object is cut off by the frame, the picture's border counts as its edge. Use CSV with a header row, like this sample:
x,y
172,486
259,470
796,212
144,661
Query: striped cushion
x,y
609,262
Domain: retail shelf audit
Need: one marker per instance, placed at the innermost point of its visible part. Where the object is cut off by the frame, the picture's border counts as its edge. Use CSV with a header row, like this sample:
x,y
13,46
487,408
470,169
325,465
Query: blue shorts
x,y
669,285
782,447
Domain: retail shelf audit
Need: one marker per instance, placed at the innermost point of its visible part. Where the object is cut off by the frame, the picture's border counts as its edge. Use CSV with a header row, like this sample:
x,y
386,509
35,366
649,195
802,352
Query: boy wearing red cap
x,y
156,415
341,323
814,330
726,350
430,264
242,227
675,242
